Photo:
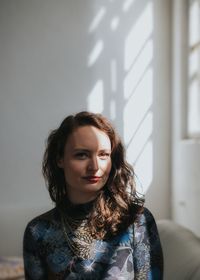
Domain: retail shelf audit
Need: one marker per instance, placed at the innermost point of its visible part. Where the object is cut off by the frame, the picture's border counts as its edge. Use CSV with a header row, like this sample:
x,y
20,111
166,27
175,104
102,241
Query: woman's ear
x,y
60,163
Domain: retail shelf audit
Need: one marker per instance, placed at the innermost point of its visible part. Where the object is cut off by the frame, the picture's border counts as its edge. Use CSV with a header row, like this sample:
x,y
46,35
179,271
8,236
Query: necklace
x,y
78,237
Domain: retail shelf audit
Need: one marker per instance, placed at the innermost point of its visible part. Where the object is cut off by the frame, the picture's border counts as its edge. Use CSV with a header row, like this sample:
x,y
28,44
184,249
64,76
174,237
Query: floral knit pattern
x,y
133,254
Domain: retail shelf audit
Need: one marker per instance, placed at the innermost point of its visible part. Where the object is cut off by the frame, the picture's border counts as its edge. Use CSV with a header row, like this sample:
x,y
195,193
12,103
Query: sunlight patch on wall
x,y
112,109
138,36
127,4
135,147
140,153
95,53
97,19
137,106
95,98
144,168
138,127
113,86
114,23
138,96
113,75
138,69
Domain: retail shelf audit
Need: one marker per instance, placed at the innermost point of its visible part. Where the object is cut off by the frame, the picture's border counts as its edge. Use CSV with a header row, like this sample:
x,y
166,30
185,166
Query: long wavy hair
x,y
117,204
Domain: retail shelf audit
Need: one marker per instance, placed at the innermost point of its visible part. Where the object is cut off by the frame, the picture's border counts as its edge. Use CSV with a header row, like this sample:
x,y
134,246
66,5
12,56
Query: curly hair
x,y
117,204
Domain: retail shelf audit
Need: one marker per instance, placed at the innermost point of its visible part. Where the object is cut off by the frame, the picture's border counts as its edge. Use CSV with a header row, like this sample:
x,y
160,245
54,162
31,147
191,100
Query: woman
x,y
99,228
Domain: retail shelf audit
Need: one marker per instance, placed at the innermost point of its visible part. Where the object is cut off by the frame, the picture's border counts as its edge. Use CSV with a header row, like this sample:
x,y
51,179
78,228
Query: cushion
x,y
181,249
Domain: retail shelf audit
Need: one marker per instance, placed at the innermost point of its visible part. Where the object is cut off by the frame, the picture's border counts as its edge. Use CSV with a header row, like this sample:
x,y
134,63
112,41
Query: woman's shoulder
x,y
145,221
144,217
46,216
42,222
145,226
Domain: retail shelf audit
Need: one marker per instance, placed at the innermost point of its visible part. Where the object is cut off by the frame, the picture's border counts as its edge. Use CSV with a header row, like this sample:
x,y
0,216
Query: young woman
x,y
99,228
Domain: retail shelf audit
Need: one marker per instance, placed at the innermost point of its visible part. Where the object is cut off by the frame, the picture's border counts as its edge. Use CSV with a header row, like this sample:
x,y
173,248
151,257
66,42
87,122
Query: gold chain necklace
x,y
78,237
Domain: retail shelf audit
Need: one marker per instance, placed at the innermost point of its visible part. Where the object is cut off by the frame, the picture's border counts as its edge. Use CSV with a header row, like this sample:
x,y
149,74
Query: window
x,y
193,98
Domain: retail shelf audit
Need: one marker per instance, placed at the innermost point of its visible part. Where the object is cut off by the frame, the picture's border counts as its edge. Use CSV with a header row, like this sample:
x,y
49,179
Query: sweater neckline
x,y
76,210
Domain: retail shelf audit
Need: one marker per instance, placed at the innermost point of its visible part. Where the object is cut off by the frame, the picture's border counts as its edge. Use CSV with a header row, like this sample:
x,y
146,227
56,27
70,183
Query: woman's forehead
x,y
89,137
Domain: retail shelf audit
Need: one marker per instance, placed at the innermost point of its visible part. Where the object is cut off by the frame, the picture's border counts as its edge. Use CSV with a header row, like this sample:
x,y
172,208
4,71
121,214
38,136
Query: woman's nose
x,y
93,164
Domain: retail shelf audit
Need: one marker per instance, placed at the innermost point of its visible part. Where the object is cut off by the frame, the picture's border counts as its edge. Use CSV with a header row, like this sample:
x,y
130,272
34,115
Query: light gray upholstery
x,y
181,249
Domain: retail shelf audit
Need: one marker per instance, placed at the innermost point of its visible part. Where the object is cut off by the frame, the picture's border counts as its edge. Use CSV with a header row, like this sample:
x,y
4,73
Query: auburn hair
x,y
117,204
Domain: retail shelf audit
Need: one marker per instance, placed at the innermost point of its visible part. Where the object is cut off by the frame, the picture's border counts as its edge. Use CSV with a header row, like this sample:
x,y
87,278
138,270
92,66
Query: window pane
x,y
193,116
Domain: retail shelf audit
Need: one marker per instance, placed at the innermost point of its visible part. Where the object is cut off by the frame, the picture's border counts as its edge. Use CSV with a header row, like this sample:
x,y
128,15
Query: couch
x,y
181,249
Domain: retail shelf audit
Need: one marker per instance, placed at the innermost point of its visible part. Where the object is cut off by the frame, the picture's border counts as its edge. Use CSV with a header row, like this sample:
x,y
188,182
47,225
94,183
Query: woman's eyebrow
x,y
81,150
87,150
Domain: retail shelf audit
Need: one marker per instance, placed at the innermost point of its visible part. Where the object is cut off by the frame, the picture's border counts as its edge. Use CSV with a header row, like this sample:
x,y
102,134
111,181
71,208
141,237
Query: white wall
x,y
48,70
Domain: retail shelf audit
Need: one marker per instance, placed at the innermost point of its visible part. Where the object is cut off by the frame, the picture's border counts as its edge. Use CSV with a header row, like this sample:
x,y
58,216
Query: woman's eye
x,y
104,155
81,155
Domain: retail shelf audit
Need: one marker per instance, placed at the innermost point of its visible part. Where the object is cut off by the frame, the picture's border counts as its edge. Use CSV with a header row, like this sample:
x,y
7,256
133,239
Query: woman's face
x,y
86,163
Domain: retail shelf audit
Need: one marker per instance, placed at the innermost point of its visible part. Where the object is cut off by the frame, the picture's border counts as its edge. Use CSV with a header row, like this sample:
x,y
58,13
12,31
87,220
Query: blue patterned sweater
x,y
134,254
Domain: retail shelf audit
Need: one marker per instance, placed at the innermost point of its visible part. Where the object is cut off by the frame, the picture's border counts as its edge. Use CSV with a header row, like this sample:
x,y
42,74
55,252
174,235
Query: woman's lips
x,y
92,179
